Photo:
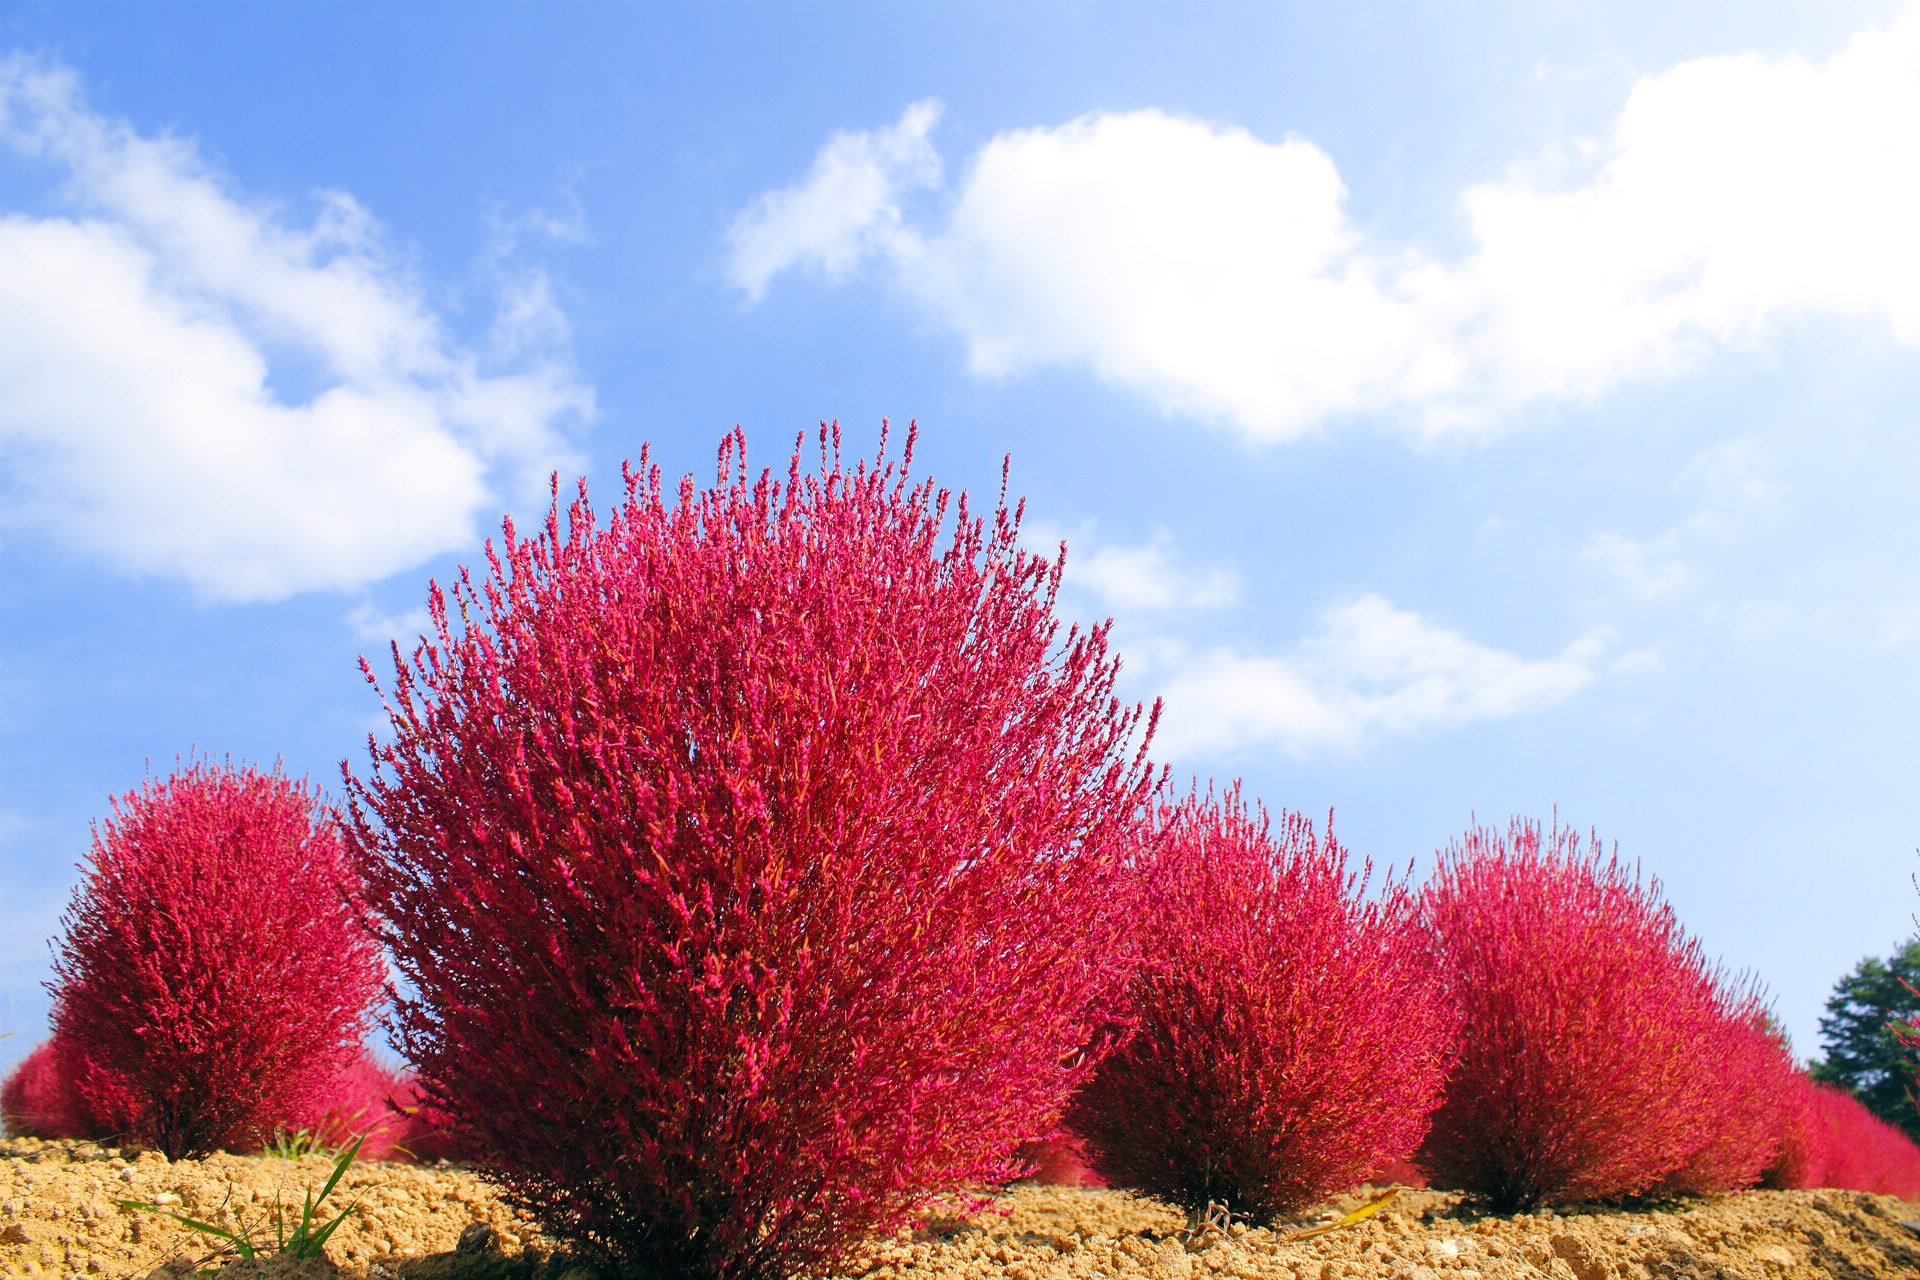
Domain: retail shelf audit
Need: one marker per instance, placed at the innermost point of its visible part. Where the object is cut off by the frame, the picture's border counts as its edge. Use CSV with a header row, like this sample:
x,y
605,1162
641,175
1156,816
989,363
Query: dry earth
x,y
60,1217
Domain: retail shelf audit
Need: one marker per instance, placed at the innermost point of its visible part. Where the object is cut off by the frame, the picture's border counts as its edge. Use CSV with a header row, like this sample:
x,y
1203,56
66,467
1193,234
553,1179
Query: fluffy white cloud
x,y
847,209
1219,274
1210,270
1370,671
377,627
191,386
1733,193
1134,579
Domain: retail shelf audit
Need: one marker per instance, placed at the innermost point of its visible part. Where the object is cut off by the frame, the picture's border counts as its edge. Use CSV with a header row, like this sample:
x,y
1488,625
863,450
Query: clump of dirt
x,y
60,1217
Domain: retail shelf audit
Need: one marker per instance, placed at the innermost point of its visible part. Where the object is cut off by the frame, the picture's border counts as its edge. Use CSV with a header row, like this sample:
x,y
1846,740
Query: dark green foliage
x,y
1863,1055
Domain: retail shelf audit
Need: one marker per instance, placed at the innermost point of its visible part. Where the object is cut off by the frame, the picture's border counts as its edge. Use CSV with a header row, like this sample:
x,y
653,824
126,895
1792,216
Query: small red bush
x,y
1859,1151
1597,1042
57,1093
37,1100
217,973
752,856
1059,1161
368,1102
1289,1036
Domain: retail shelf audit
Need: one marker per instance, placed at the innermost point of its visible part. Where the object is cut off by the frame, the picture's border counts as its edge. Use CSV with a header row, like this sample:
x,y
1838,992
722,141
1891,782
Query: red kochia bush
x,y
422,1134
369,1102
1801,1160
38,1100
1290,1037
1753,1070
1059,1161
1859,1151
753,856
57,1093
1595,1036
218,970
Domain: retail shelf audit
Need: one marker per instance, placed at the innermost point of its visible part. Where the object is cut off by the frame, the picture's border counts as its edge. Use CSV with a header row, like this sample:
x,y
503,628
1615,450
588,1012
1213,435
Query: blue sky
x,y
1456,417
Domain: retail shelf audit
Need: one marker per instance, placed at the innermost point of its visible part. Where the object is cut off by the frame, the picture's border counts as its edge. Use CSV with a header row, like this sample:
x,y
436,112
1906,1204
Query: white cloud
x,y
193,386
376,626
1370,671
1219,274
1646,567
1731,479
1641,661
529,320
847,209
1134,579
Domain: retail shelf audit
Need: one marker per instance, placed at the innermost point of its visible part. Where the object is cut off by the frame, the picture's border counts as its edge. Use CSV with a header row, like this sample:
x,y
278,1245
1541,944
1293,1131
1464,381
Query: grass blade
x,y
320,1237
238,1242
1361,1214
340,1166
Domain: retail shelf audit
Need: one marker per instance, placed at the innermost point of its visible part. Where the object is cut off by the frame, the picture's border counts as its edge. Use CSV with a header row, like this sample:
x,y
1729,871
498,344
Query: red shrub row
x,y
1288,1036
755,857
1834,1141
1602,1057
765,861
1755,1086
218,973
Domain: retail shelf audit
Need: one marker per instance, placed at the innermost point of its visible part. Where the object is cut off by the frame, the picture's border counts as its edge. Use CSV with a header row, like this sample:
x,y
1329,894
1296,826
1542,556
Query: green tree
x,y
1863,1053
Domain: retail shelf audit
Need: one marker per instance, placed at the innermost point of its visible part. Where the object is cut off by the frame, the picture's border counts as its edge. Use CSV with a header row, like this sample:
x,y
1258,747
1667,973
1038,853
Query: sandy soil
x,y
59,1217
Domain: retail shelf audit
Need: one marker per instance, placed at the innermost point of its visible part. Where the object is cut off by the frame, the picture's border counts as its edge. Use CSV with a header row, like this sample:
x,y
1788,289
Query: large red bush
x,y
1597,1039
218,972
1753,1070
751,855
1289,1035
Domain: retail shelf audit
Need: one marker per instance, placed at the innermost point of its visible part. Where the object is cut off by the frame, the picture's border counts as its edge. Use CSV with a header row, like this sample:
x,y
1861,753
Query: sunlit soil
x,y
60,1216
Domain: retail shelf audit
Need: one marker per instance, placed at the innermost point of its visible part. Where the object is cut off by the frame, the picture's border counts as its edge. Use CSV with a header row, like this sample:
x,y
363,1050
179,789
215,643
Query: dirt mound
x,y
60,1217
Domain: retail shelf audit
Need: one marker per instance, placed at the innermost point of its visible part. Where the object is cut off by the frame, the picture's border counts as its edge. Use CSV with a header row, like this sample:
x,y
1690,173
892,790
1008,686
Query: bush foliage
x,y
372,1104
218,970
1601,1056
1801,1161
1754,1071
753,854
1289,1036
37,1100
1859,1151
